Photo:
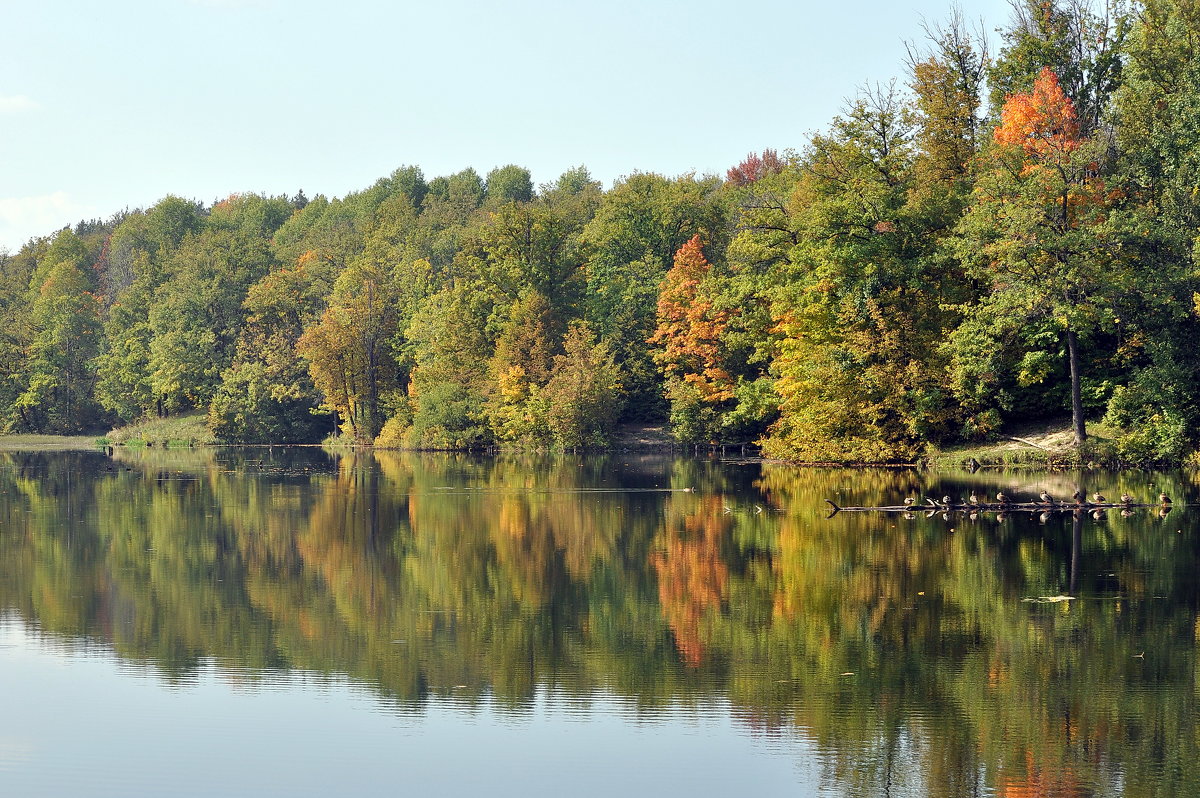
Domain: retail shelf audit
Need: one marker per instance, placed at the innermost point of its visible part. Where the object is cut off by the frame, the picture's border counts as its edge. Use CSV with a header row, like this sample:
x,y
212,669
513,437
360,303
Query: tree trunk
x,y
371,416
1076,396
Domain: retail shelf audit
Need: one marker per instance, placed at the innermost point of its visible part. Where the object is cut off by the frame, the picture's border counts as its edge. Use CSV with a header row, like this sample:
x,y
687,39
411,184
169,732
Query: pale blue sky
x,y
107,105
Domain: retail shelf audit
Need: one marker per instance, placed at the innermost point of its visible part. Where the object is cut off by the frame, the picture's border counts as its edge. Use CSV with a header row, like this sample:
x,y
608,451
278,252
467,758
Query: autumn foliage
x,y
693,580
1042,123
755,167
1043,127
689,329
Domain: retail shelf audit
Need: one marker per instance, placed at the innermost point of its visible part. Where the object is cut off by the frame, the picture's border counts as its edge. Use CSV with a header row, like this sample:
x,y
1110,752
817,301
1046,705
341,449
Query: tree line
x,y
996,238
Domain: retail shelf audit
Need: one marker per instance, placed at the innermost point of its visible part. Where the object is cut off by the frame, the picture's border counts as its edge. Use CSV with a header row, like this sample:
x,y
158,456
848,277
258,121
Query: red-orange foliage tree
x,y
693,579
1042,123
755,167
688,336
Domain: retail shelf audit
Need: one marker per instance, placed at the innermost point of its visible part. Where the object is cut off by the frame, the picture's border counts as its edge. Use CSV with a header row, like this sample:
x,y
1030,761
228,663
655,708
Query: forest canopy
x,y
991,239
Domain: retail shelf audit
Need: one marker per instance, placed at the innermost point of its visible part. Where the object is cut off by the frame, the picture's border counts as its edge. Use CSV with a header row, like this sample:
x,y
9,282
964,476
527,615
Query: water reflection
x,y
1007,654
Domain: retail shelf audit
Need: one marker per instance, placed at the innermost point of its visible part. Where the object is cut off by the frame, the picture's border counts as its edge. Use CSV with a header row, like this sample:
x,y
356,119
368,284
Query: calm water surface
x,y
289,622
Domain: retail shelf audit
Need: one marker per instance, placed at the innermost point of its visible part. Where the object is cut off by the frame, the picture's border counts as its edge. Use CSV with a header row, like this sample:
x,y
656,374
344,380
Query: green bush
x,y
1147,432
448,417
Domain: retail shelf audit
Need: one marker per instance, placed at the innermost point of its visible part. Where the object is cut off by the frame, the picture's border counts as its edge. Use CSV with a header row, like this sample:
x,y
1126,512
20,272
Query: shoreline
x,y
1047,449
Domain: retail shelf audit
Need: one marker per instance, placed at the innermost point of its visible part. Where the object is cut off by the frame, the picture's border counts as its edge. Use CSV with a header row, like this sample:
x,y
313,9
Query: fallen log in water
x,y
994,507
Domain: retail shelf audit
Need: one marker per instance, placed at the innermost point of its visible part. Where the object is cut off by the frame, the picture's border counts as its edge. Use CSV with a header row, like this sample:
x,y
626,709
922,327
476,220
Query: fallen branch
x,y
1028,442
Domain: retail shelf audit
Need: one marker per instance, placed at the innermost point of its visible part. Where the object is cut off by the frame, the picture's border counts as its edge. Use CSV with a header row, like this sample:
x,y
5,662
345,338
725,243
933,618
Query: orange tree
x,y
1039,239
687,345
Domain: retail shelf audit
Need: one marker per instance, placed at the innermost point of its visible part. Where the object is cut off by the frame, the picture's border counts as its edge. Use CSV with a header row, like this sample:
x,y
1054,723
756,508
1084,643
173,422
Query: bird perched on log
x,y
909,501
946,500
1078,496
1164,498
973,499
1126,498
1002,497
1046,498
1098,498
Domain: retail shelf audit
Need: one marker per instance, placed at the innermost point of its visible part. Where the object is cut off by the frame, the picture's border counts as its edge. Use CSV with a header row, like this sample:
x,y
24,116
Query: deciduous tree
x,y
57,393
1036,231
688,345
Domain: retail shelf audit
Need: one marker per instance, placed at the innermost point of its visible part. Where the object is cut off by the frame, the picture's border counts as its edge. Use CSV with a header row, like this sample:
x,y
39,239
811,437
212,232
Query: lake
x,y
292,622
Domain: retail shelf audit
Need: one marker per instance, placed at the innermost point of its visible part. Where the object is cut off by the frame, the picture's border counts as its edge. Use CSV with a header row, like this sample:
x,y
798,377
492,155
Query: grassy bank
x,y
186,430
1043,446
47,443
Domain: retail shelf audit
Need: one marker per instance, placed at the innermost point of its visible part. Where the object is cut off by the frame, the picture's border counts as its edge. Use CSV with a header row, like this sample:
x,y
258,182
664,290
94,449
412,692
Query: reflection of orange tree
x,y
692,578
1039,782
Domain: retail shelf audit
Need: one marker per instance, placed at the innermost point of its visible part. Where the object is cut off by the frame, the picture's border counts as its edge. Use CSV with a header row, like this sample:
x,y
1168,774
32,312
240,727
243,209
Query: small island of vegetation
x,y
1000,240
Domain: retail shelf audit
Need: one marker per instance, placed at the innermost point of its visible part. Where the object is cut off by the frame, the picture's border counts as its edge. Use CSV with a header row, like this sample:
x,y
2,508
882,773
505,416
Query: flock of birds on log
x,y
1046,504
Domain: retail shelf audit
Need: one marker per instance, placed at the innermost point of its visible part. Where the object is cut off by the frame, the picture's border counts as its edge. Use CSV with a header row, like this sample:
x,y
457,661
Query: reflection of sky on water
x,y
77,721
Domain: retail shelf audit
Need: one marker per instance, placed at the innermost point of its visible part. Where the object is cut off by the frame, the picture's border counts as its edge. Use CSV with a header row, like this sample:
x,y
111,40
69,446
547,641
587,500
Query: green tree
x,y
267,395
509,184
251,215
526,247
1158,138
583,395
16,331
139,263
197,315
449,346
65,336
860,308
1036,230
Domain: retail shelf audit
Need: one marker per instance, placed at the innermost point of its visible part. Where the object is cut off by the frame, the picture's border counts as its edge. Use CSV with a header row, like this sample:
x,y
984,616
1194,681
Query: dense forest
x,y
994,239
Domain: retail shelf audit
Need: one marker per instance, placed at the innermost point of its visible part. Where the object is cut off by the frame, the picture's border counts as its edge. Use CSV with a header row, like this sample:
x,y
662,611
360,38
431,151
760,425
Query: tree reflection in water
x,y
929,655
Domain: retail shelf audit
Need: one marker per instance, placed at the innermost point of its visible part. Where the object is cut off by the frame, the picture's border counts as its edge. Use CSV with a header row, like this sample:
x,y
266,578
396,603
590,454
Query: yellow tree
x,y
349,353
